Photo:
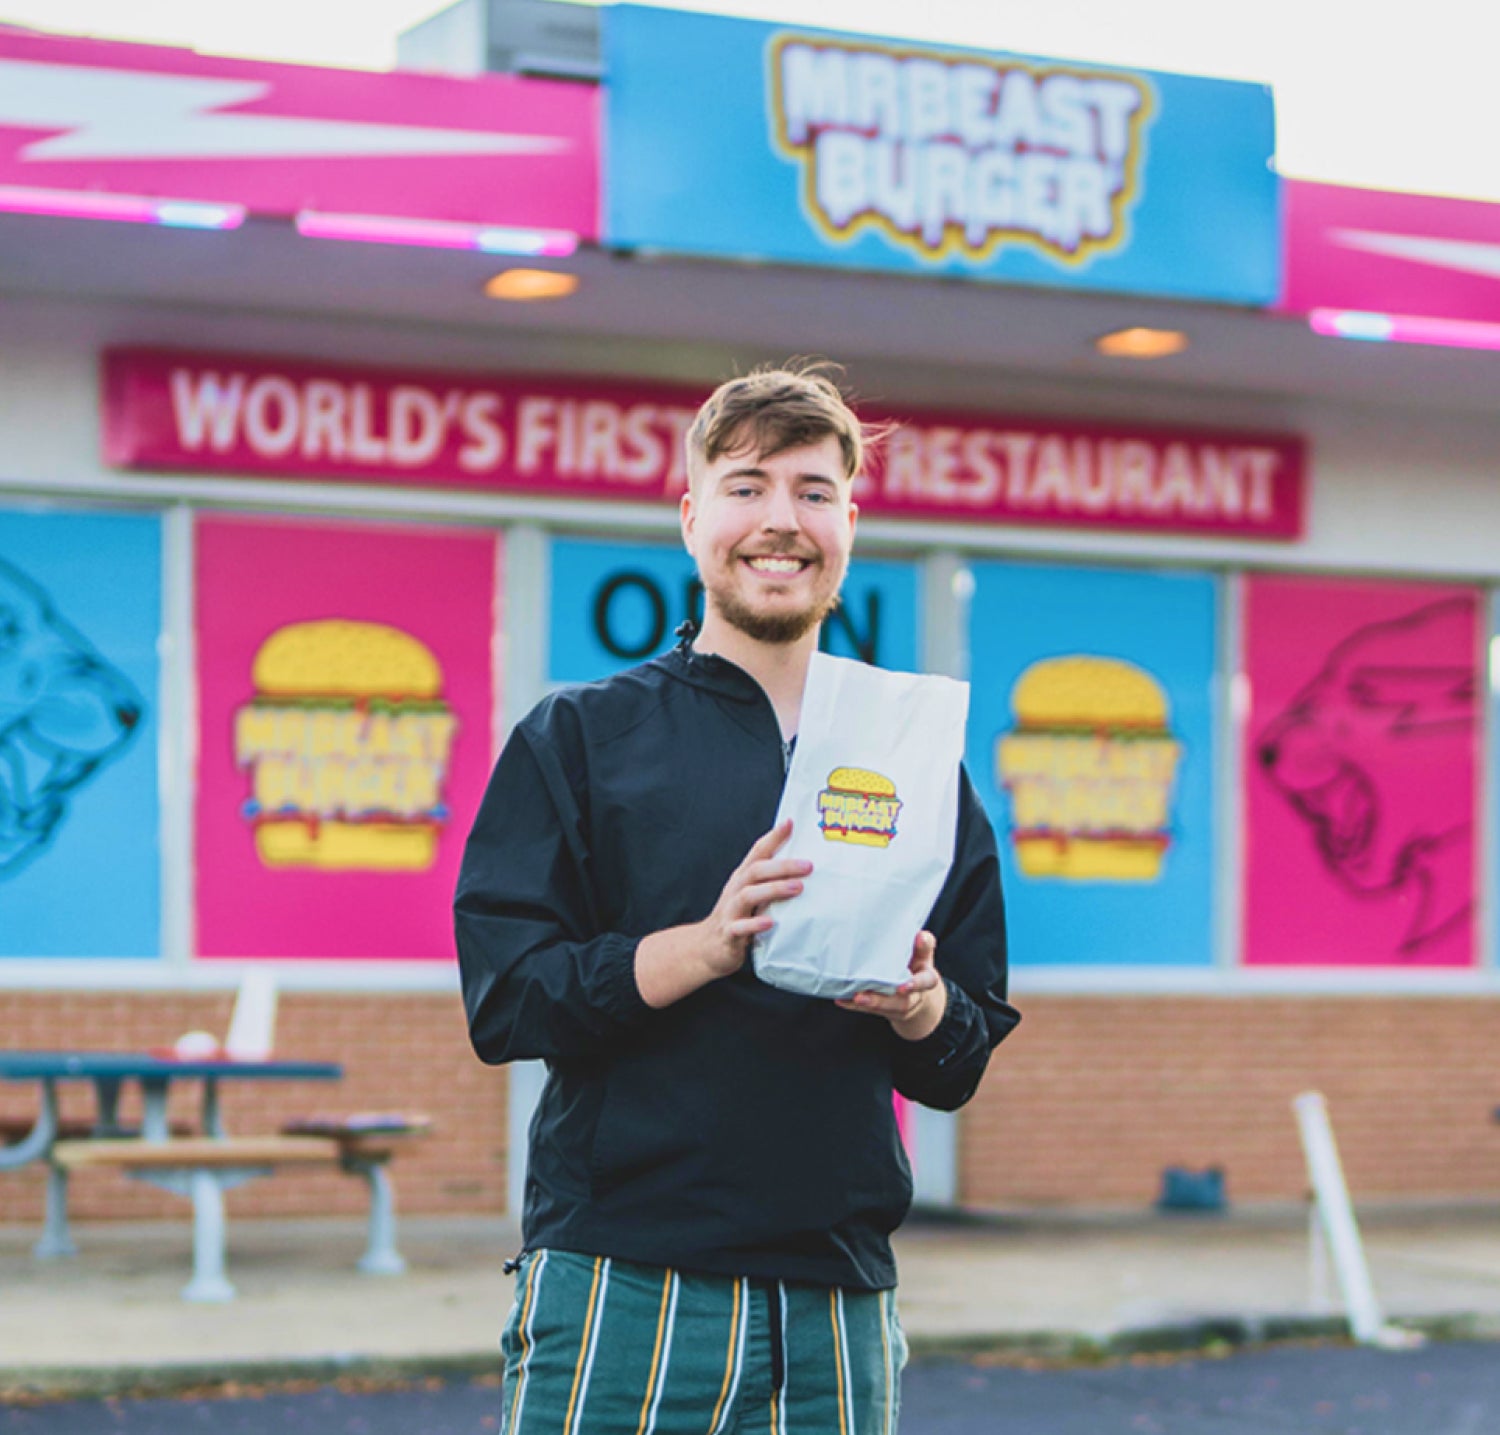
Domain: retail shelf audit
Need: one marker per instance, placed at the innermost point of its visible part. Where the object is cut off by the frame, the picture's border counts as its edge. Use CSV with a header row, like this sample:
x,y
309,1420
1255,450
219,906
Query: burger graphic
x,y
858,806
1090,769
347,743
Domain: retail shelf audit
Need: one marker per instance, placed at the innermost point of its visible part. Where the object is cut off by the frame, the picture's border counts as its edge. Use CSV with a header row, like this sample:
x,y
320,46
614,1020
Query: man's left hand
x,y
916,1007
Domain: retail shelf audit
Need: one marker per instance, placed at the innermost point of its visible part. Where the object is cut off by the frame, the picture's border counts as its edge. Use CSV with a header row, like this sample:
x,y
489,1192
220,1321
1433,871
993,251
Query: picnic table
x,y
109,1072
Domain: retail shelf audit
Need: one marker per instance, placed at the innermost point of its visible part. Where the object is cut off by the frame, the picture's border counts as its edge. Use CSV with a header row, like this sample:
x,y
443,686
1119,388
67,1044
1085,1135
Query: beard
x,y
775,628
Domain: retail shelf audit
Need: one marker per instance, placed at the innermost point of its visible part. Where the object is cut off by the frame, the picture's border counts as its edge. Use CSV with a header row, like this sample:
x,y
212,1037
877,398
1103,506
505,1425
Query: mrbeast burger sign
x,y
954,155
740,138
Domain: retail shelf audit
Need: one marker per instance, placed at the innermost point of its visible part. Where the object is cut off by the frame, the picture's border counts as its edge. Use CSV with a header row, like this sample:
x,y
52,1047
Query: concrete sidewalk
x,y
1055,1284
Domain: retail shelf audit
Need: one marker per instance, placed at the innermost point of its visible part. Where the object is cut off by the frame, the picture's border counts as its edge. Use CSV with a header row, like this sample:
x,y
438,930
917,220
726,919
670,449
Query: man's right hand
x,y
740,913
669,965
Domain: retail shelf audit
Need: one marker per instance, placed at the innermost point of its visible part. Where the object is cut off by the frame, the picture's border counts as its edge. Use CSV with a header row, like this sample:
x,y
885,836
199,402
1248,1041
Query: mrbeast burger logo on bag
x,y
347,742
858,806
955,155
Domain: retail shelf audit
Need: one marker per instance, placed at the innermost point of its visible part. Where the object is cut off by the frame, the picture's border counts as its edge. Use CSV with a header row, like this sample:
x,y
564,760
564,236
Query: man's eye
x,y
816,495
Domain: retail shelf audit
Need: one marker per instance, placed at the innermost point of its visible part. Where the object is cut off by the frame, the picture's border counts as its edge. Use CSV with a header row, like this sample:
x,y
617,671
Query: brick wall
x,y
1083,1106
1092,1096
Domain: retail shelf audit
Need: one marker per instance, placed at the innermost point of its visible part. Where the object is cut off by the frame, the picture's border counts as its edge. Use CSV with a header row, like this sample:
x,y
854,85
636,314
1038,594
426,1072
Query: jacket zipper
x,y
786,755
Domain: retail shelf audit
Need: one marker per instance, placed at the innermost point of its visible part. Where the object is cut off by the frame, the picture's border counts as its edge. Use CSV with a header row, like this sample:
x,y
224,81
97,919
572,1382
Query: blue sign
x,y
752,140
1091,741
80,615
615,604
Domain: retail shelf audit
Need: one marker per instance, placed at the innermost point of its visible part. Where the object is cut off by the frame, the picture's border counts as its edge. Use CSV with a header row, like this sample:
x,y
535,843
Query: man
x,y
715,1167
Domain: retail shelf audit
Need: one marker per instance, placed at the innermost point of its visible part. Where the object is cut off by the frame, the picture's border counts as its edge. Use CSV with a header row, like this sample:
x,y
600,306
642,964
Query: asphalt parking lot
x,y
1442,1389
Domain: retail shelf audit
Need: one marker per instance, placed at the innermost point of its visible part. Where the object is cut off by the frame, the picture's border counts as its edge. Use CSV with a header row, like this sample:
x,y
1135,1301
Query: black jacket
x,y
744,1131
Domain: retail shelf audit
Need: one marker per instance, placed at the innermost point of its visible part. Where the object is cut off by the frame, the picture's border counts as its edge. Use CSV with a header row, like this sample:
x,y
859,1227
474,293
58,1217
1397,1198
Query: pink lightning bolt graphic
x,y
79,115
1378,253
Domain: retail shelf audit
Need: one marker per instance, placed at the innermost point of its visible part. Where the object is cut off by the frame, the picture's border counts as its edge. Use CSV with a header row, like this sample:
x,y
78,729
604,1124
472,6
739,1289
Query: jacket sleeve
x,y
540,980
943,1069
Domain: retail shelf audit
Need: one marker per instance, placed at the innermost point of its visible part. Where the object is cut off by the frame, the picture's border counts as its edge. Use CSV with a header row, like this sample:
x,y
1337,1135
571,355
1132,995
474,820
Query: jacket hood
x,y
707,670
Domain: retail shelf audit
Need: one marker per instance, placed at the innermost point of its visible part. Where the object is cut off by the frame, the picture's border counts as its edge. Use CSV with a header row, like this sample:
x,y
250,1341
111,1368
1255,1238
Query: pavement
x,y
1063,1286
1445,1388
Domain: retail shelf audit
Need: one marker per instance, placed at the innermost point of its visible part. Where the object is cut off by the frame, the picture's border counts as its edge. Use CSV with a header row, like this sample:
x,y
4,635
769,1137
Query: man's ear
x,y
688,519
853,516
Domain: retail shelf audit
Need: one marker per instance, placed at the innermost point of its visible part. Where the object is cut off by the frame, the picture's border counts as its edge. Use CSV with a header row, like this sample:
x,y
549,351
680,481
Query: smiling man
x,y
715,1167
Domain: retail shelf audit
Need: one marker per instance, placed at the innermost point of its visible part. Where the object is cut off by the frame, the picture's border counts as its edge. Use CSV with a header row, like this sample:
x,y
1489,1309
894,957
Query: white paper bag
x,y
873,797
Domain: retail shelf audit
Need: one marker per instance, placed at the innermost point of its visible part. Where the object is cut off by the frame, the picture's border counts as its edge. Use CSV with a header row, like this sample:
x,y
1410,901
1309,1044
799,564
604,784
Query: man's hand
x,y
740,913
916,1007
671,964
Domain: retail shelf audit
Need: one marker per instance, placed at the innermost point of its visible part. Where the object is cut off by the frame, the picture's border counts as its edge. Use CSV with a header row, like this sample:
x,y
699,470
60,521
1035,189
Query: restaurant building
x,y
297,517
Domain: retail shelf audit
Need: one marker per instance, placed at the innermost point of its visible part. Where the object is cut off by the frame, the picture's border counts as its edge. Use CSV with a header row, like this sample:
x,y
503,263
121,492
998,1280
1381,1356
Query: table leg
x,y
107,1099
381,1258
209,1282
213,1120
37,1142
57,1239
154,1108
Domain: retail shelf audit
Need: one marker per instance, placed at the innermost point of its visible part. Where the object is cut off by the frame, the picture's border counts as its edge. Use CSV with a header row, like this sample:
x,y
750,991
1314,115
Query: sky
x,y
1382,97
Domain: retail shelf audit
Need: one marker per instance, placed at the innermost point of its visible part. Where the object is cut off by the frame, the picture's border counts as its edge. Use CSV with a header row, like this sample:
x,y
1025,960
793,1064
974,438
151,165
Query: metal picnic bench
x,y
201,1167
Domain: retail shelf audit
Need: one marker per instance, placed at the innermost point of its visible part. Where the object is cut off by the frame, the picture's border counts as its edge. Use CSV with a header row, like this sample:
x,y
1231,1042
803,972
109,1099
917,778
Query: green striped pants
x,y
596,1346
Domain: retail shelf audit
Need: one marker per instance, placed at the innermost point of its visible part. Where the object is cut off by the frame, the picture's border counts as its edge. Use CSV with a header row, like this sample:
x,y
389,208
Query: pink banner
x,y
83,115
345,699
1086,475
1368,251
203,413
1361,767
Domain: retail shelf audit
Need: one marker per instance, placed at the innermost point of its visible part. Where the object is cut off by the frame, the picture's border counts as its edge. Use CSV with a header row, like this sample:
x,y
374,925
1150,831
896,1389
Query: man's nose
x,y
781,512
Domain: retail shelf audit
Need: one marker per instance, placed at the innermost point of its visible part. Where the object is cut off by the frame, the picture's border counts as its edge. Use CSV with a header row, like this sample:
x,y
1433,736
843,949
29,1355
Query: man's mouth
x,y
776,565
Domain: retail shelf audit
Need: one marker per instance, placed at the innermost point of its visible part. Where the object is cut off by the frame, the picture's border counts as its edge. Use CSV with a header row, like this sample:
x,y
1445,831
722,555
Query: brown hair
x,y
772,409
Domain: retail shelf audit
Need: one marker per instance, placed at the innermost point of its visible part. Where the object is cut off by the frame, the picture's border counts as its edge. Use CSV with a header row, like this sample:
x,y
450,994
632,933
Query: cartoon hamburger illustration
x,y
347,742
1090,768
858,806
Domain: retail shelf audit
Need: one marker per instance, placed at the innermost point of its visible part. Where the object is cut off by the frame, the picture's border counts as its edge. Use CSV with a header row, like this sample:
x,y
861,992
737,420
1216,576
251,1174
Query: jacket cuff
x,y
942,1043
618,992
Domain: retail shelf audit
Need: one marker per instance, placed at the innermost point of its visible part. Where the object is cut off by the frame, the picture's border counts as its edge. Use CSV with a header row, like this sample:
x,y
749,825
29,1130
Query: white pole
x,y
1339,1226
1319,1298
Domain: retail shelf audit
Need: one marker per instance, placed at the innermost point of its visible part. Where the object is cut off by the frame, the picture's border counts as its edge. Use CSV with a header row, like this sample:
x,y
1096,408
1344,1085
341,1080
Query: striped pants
x,y
596,1346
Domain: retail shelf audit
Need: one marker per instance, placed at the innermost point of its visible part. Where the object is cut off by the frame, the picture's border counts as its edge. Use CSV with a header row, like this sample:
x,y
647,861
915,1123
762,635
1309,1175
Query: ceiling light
x,y
1142,343
531,284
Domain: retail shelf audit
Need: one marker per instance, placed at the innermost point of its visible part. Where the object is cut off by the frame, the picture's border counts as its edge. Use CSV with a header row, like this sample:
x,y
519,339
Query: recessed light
x,y
1142,343
524,284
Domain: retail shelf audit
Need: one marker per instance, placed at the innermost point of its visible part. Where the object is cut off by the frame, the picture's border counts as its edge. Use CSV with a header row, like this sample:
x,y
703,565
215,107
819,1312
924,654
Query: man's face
x,y
772,537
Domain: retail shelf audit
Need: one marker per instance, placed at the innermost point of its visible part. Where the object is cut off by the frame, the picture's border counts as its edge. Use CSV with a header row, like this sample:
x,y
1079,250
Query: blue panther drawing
x,y
64,713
